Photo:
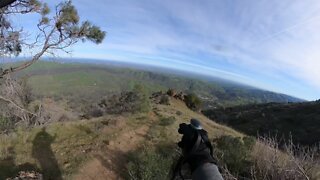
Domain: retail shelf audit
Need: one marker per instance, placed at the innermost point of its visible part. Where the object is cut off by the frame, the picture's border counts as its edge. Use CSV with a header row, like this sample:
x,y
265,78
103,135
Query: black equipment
x,y
195,145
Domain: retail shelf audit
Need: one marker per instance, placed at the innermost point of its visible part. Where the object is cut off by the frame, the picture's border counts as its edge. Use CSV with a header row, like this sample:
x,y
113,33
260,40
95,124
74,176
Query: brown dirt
x,y
110,162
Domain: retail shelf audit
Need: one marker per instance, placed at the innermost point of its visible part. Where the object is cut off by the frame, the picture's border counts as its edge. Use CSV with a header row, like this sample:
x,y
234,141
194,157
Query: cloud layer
x,y
268,43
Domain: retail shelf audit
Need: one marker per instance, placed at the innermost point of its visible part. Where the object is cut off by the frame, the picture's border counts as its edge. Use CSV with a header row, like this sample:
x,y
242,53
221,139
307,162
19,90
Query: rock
x,y
27,175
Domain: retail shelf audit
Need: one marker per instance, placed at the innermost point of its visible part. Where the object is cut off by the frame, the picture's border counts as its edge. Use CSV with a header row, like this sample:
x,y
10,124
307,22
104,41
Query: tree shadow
x,y
8,168
42,152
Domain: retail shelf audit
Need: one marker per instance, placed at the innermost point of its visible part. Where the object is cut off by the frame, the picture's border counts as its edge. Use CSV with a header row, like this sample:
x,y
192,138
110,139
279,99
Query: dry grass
x,y
293,162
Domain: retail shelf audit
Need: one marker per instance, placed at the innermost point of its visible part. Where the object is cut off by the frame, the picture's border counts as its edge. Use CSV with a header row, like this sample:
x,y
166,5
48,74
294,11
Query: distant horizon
x,y
88,60
143,67
139,66
267,44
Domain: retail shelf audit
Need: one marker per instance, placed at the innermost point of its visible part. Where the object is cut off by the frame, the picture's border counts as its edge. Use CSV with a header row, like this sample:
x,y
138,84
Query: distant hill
x,y
92,80
299,120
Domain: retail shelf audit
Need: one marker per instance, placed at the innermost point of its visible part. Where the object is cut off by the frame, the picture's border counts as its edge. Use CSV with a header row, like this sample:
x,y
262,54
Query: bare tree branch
x,y
17,106
4,3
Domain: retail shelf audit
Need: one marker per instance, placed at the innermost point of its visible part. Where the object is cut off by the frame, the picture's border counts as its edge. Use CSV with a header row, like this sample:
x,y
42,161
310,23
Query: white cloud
x,y
278,40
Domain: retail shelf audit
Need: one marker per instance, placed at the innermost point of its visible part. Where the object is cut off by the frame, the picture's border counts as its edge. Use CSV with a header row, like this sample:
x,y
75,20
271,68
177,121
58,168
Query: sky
x,y
270,44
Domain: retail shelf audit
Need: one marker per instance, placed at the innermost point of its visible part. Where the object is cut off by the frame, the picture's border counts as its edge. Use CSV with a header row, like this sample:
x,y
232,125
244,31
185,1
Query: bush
x,y
6,124
143,101
95,112
247,158
292,162
150,164
167,121
171,92
165,99
133,101
235,153
193,101
179,113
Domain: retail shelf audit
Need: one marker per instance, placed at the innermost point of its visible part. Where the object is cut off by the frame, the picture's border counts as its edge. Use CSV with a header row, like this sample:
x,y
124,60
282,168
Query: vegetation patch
x,y
167,121
193,101
151,163
234,153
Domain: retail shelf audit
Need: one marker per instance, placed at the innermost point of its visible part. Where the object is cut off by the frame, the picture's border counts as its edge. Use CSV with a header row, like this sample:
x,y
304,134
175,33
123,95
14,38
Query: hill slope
x,y
299,120
98,148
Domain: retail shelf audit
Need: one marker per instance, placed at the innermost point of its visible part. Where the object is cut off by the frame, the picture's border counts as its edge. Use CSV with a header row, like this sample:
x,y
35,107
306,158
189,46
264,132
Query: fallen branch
x,y
17,106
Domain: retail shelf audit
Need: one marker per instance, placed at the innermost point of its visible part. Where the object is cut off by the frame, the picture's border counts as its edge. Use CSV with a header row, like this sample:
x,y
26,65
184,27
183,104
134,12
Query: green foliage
x,y
55,31
234,153
165,99
167,121
143,101
92,33
171,92
84,128
68,23
179,113
6,124
45,9
298,122
91,82
193,101
149,164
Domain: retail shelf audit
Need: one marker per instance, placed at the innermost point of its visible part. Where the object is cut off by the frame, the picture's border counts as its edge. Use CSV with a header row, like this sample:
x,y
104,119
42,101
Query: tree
x,y
55,31
193,101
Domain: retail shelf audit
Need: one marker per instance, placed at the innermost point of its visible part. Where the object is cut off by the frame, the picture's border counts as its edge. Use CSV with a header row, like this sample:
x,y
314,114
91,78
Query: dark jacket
x,y
202,154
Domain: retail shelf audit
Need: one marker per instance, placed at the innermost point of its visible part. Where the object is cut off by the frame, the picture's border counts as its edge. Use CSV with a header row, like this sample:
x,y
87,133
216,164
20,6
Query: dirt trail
x,y
110,162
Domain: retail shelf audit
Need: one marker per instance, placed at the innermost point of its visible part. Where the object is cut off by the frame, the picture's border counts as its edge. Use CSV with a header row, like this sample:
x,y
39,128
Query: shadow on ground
x,y
42,152
8,168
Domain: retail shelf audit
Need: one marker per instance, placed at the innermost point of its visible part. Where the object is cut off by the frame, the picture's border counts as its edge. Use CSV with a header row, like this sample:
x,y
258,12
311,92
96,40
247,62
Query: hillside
x,y
299,120
91,81
87,123
98,148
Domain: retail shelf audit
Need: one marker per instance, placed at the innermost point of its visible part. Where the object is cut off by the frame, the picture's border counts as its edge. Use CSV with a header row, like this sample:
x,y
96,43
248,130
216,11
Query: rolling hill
x,y
299,121
92,80
75,134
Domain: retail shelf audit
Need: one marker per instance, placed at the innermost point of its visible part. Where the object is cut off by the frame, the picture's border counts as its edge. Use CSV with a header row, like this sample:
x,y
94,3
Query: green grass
x,y
75,79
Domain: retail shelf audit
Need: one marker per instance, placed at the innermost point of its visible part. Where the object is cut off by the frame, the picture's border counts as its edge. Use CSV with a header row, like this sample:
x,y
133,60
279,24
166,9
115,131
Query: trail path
x,y
110,162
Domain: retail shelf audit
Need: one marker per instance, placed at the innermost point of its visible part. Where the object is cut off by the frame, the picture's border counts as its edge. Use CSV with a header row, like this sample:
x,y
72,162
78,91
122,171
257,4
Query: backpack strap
x,y
196,144
194,149
207,142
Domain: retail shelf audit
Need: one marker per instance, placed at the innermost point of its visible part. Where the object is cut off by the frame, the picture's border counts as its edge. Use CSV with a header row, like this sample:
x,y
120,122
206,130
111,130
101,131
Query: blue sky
x,y
270,44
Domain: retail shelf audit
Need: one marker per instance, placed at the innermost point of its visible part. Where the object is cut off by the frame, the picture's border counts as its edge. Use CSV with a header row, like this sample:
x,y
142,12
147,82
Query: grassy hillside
x,y
299,120
92,81
96,149
87,125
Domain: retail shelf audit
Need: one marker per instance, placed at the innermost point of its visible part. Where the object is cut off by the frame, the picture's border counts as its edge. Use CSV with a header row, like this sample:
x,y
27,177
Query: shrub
x,y
95,111
179,113
6,124
247,158
171,92
133,101
143,101
193,101
167,121
292,162
84,128
151,164
165,99
235,153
